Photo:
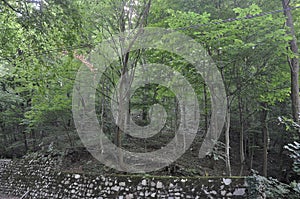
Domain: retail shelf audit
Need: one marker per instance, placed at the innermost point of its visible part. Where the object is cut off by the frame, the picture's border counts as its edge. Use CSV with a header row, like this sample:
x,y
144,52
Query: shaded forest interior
x,y
252,43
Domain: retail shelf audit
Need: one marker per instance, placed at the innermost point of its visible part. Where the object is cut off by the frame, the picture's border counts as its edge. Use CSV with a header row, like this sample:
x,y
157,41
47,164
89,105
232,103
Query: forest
x,y
49,50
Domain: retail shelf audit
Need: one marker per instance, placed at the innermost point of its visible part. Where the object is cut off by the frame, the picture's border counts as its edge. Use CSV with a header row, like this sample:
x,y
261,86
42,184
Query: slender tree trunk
x,y
25,141
265,132
205,107
33,136
184,125
122,100
293,62
227,142
242,153
251,149
241,118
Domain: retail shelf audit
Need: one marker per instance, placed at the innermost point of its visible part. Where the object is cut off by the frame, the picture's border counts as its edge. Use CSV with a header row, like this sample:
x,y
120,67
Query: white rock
x,y
223,192
76,176
159,185
229,194
147,193
144,182
122,184
115,188
130,196
213,192
227,181
239,192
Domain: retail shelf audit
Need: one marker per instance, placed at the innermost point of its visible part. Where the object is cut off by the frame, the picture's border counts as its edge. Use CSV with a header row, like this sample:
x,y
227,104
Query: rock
x,y
144,182
213,192
130,196
239,192
122,184
223,192
159,185
76,176
115,188
227,181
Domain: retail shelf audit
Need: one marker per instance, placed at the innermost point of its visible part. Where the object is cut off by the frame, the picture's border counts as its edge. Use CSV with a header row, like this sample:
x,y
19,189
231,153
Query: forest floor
x,y
189,164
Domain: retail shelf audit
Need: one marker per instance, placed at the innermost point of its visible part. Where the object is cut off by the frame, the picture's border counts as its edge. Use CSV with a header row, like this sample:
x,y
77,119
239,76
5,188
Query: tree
x,y
293,61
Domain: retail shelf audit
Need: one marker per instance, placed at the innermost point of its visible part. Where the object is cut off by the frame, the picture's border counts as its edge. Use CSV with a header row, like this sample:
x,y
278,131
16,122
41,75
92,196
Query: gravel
x,y
3,196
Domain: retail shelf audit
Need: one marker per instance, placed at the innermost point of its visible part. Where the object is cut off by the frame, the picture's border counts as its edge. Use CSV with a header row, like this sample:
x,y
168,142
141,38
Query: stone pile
x,y
4,163
43,180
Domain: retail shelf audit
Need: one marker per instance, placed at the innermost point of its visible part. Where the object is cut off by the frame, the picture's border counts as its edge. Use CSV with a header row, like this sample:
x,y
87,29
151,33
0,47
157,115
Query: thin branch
x,y
11,7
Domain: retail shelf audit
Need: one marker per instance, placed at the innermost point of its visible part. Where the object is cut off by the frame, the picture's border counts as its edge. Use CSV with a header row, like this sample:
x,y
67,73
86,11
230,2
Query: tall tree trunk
x,y
293,62
227,142
242,153
266,139
25,141
205,107
33,137
241,117
122,102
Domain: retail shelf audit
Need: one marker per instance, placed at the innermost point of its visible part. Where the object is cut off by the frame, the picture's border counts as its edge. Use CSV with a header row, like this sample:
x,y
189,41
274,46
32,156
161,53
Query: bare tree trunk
x,y
25,141
184,125
205,107
33,136
227,142
293,62
103,114
241,118
242,153
122,100
265,132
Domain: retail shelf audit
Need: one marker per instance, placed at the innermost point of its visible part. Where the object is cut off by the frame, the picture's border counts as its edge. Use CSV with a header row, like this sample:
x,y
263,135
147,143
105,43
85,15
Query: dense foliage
x,y
43,44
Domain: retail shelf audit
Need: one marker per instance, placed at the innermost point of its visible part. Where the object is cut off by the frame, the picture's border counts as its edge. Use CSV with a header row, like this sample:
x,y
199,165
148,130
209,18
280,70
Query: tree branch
x,y
10,6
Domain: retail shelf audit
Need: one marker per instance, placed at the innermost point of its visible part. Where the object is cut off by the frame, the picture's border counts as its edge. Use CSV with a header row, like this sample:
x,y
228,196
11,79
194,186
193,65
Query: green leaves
x,y
247,12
